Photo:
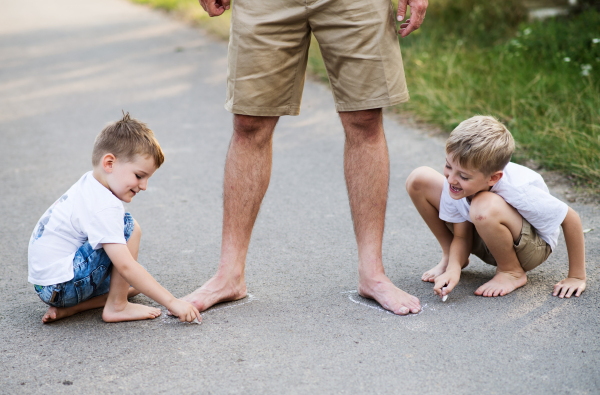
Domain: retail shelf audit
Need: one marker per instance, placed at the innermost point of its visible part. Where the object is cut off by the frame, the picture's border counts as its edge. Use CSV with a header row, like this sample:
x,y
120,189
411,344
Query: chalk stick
x,y
444,298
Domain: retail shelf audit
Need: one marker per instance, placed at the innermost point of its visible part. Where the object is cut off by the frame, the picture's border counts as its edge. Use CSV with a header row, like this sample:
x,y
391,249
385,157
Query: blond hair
x,y
125,139
482,143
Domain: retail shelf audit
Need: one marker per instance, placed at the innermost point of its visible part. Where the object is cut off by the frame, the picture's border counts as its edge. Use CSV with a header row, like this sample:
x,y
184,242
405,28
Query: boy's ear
x,y
495,177
108,161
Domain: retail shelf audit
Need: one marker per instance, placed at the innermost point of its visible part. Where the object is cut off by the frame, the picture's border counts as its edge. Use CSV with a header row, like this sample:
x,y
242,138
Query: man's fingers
x,y
226,4
212,7
412,26
401,9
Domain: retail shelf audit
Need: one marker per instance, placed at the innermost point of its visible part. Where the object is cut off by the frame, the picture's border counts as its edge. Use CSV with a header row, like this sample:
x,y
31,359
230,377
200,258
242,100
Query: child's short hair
x,y
125,139
482,143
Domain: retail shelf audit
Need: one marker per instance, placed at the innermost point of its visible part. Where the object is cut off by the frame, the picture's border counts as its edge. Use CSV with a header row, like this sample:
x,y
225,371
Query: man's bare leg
x,y
366,167
424,186
247,175
499,225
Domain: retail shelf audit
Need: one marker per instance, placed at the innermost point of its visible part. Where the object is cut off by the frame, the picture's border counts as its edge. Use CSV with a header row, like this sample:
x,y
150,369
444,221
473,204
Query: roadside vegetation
x,y
483,57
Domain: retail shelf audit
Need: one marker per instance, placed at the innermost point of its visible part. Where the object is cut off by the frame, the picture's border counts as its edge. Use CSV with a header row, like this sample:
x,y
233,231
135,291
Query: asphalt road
x,y
68,67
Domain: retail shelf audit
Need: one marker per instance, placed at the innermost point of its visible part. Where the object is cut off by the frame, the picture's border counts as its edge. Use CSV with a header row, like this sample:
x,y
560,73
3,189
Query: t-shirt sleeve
x,y
106,226
543,211
449,211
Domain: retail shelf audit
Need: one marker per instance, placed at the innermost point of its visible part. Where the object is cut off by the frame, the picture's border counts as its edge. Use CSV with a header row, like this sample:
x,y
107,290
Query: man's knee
x,y
363,124
420,180
251,129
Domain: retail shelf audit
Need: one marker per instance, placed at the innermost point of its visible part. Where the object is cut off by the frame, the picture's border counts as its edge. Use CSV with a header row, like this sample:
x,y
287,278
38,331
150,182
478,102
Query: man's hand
x,y
444,283
417,14
218,7
567,286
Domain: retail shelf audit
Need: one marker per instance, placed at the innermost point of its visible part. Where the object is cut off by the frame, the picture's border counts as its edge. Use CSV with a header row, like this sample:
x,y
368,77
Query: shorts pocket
x,y
86,287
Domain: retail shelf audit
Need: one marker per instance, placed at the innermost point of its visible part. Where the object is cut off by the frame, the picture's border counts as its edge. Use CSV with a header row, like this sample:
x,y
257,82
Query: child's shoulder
x,y
519,178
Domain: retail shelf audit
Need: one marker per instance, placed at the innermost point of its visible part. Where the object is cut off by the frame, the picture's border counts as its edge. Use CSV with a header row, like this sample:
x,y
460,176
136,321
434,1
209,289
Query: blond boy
x,y
500,211
83,251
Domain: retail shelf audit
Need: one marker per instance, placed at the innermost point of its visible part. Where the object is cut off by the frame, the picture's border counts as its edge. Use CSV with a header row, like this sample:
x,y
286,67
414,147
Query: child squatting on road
x,y
83,251
499,211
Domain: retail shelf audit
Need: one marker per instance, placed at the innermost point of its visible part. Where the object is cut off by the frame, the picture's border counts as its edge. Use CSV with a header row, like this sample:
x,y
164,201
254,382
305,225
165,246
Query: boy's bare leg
x,y
117,308
57,313
424,186
247,175
366,167
499,225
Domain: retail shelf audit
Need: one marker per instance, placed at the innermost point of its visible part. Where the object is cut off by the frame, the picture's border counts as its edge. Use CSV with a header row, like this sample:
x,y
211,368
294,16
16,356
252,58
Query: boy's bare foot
x,y
130,312
217,290
502,283
440,268
57,313
388,295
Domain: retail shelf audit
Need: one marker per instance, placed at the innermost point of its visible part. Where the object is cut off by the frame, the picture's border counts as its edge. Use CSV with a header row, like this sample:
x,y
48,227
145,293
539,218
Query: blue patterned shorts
x,y
92,275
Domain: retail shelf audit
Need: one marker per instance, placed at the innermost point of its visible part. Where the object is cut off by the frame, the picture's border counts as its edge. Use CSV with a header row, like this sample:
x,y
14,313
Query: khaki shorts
x,y
268,53
531,249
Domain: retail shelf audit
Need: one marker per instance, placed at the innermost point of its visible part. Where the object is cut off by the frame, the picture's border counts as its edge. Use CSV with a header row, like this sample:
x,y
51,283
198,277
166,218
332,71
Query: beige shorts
x,y
531,249
268,53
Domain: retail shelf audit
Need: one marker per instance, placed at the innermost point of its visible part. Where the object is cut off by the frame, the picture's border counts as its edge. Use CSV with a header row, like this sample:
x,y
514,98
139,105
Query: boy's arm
x,y
141,280
460,249
575,282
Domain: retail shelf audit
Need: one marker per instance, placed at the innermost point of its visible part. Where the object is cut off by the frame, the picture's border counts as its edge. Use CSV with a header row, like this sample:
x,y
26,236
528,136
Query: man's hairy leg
x,y
366,167
247,175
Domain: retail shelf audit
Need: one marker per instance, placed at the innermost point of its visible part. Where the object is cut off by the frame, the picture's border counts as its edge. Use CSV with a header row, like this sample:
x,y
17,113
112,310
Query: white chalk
x,y
195,321
444,298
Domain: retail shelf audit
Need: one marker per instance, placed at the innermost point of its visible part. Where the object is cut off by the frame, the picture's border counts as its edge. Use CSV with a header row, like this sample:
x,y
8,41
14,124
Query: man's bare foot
x,y
57,313
130,312
389,296
217,290
502,283
440,268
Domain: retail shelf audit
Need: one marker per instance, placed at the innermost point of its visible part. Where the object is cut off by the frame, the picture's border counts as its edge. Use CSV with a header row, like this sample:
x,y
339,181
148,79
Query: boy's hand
x,y
184,310
445,283
567,286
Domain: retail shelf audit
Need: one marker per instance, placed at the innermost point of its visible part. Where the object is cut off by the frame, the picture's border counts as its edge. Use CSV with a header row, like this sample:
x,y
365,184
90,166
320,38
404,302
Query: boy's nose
x,y
143,185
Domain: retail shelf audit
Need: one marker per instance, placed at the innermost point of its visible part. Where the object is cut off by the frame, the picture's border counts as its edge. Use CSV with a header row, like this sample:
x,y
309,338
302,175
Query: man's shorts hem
x,y
262,111
371,104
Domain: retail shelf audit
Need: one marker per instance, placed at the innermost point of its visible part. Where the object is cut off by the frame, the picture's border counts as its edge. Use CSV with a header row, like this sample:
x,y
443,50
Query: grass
x,y
480,57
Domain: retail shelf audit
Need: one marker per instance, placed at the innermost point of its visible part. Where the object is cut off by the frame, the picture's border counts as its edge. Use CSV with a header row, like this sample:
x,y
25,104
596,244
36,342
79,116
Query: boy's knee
x,y
484,207
419,179
137,231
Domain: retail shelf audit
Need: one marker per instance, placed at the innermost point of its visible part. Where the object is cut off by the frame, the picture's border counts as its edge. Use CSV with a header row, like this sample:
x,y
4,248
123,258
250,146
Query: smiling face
x,y
125,179
467,182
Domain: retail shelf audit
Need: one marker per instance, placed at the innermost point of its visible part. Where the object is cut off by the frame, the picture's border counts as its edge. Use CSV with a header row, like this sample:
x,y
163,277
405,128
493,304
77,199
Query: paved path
x,y
67,67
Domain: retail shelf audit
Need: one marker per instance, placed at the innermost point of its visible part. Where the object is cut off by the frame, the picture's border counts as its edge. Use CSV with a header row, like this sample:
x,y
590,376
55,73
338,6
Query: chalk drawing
x,y
169,319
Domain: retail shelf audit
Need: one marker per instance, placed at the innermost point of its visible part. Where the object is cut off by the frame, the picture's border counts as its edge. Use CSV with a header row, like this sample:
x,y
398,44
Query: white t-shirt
x,y
523,189
88,211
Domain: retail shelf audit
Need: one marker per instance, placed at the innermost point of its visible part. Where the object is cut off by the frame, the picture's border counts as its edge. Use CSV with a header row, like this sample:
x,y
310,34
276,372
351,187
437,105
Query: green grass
x,y
480,57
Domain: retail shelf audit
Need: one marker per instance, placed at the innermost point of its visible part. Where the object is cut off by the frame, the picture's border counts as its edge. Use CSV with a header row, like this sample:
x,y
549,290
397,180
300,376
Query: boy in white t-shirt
x,y
83,252
500,211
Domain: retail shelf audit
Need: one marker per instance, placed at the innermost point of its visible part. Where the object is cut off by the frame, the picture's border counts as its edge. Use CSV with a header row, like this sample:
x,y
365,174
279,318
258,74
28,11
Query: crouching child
x,y
83,251
499,211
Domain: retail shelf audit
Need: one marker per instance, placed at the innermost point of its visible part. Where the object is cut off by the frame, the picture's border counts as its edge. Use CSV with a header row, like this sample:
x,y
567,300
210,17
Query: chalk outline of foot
x,y
377,306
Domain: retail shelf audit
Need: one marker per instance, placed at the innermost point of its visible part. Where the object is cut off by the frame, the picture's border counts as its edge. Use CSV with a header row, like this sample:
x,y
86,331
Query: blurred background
x,y
533,64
